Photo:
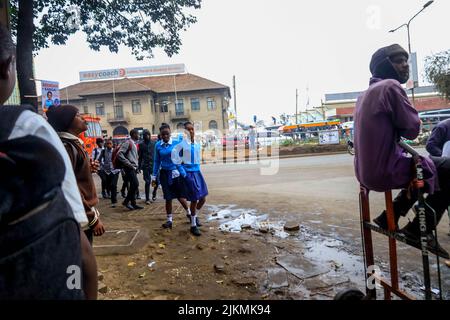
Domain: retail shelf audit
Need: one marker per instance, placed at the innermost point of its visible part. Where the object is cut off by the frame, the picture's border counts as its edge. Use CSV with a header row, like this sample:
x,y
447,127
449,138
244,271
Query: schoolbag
x,y
39,237
117,163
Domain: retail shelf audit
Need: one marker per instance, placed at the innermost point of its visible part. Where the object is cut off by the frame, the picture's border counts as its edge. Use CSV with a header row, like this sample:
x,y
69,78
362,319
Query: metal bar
x,y
366,237
399,293
392,243
398,237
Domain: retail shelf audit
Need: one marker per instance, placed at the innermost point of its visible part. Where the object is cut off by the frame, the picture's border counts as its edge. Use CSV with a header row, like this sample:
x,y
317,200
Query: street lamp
x,y
426,5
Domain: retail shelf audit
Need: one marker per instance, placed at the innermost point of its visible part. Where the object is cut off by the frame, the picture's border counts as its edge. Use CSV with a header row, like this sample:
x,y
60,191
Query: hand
x,y
95,166
99,229
153,181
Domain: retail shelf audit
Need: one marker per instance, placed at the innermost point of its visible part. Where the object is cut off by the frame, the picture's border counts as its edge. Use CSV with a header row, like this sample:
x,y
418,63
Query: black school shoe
x,y
197,221
137,207
167,225
382,222
195,231
128,206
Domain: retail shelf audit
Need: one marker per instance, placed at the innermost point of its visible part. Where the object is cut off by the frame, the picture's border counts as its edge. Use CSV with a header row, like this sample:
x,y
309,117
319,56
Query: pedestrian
x,y
252,138
95,157
383,114
69,124
128,156
196,188
18,266
146,151
155,183
170,174
111,174
438,143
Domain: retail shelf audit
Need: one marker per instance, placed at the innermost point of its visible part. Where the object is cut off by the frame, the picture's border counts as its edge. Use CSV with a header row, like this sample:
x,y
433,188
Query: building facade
x,y
146,103
342,105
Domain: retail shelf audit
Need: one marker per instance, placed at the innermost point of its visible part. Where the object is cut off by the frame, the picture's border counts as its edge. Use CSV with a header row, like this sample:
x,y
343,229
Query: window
x,y
118,110
211,104
94,130
213,125
164,106
195,104
152,105
180,126
100,109
179,107
136,106
85,109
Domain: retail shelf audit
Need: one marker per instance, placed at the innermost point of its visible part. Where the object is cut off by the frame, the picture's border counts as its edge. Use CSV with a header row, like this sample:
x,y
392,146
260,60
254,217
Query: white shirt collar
x,y
168,143
70,136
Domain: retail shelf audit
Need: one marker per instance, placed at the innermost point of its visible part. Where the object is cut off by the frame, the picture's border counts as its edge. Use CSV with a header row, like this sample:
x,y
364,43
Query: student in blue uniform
x,y
196,188
171,175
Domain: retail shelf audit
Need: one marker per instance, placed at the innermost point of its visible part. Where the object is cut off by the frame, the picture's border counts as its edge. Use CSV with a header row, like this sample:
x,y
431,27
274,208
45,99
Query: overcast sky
x,y
274,47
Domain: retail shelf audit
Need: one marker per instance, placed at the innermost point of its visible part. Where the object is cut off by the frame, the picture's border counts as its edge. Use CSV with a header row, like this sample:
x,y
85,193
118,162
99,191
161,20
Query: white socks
x,y
169,218
193,221
188,212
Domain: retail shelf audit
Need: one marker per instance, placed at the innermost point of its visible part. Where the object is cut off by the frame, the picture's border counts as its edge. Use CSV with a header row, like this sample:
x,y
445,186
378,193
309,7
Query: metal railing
x,y
118,117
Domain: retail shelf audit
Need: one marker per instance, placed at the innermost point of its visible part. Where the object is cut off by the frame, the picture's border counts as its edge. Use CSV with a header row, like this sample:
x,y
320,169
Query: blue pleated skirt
x,y
196,187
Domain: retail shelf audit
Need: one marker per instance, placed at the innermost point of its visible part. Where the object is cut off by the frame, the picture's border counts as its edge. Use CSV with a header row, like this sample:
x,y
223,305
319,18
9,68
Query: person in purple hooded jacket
x,y
383,115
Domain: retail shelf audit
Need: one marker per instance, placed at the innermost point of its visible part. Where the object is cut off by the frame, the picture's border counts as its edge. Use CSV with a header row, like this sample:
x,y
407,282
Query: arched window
x,y
213,125
120,131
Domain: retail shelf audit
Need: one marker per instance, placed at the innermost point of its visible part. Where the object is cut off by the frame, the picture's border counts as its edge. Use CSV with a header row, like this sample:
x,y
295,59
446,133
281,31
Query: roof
x,y
158,84
352,96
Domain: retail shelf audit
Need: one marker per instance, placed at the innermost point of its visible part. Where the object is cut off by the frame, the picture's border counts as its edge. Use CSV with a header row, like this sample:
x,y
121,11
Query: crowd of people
x,y
48,207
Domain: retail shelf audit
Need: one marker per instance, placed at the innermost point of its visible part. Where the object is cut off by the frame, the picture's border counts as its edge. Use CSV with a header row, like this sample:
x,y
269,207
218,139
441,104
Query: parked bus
x,y
93,132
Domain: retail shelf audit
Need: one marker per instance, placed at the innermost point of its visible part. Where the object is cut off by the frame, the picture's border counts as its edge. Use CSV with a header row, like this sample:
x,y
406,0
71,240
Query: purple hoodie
x,y
383,114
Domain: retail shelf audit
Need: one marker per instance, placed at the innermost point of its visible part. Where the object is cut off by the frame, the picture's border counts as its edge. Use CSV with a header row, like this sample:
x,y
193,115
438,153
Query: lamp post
x,y
407,25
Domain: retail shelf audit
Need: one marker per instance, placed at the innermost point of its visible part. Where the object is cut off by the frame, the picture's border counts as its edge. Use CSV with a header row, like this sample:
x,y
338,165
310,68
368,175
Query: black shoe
x,y
195,231
154,199
382,222
128,206
104,196
167,225
137,207
123,194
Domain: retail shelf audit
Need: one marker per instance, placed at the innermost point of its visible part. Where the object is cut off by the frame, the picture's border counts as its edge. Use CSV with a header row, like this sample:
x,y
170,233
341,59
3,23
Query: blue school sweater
x,y
163,157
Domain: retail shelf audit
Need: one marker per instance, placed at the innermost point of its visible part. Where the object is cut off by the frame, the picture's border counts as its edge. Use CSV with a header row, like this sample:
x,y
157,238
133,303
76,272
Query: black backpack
x,y
40,251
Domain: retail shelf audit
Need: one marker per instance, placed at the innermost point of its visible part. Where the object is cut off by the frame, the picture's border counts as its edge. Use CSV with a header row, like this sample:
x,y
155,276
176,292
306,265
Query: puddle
x,y
324,257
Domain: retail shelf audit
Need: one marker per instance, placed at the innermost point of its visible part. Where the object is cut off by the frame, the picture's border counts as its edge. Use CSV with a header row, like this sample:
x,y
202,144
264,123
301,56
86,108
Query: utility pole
x,y
235,108
296,106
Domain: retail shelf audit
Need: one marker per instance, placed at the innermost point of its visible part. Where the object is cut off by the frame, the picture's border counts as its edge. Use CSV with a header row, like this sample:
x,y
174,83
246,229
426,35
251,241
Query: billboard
x,y
132,72
50,94
329,137
413,81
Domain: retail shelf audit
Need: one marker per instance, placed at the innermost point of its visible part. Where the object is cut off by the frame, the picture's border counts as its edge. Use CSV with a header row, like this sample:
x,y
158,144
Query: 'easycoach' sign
x,y
132,72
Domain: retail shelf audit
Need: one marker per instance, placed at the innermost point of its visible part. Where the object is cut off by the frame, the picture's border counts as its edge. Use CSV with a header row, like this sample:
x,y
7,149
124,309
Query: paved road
x,y
319,191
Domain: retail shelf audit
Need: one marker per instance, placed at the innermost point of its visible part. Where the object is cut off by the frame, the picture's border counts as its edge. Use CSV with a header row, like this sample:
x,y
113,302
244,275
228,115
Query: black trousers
x,y
438,201
131,177
102,176
146,173
111,184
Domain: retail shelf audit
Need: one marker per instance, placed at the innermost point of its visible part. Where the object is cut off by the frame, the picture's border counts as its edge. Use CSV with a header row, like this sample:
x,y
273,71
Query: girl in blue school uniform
x,y
196,188
171,175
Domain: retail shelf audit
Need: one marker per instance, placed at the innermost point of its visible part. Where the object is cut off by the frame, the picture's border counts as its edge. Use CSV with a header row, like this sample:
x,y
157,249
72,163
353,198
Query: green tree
x,y
141,25
437,71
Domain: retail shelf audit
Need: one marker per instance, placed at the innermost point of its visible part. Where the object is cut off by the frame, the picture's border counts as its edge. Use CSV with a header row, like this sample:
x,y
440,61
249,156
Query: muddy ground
x,y
261,261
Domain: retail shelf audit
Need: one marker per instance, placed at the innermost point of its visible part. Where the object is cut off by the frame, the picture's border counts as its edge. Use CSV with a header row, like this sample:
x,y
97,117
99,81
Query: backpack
x,y
117,164
39,237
